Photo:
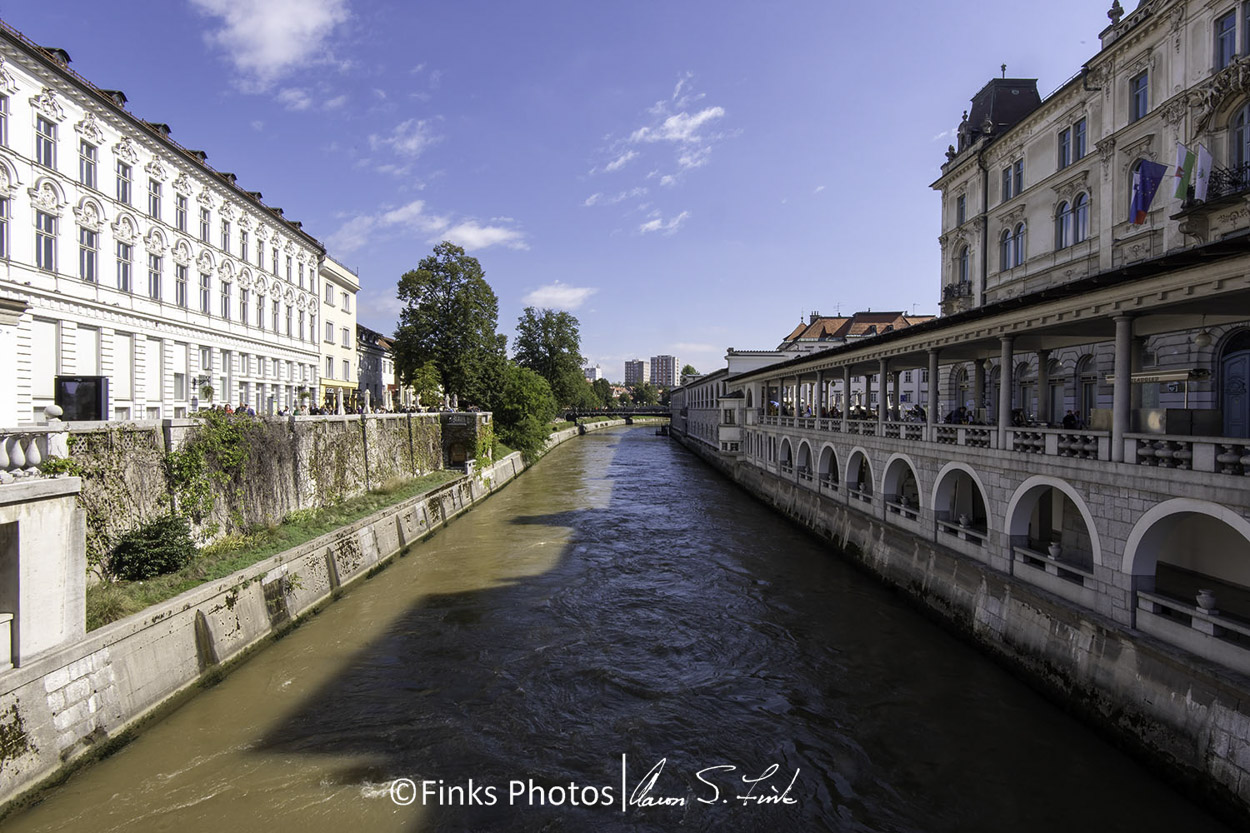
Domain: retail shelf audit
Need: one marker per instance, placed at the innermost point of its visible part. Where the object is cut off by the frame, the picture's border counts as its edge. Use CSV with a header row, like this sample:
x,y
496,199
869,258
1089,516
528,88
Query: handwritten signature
x,y
744,789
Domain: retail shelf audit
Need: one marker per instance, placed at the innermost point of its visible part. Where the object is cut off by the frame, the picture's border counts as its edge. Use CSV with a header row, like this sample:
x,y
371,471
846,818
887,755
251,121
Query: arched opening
x,y
829,469
859,477
959,505
1235,384
805,462
901,489
785,458
1046,520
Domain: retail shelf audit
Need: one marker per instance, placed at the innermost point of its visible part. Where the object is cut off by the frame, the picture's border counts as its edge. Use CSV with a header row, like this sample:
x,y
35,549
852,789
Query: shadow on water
x,y
682,622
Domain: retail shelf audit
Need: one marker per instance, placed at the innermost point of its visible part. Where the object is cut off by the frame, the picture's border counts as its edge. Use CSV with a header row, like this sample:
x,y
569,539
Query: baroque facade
x,y
124,255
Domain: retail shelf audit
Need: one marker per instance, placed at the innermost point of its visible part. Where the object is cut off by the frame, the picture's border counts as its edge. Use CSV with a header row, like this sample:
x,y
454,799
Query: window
x,y
243,245
154,277
154,199
1013,180
1239,152
225,236
1225,40
347,302
45,142
329,294
1063,225
1078,140
205,222
329,367
275,261
87,158
1065,148
329,332
1019,244
288,318
225,300
205,297
260,312
180,212
312,327
123,183
88,251
343,333
1006,184
4,120
275,316
1006,250
260,254
244,295
301,325
288,268
4,227
347,369
206,360
180,285
1080,218
1139,96
301,276
125,257
961,210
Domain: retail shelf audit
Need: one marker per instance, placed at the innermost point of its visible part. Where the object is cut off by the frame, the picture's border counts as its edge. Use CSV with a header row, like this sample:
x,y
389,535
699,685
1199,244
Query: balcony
x,y
1227,182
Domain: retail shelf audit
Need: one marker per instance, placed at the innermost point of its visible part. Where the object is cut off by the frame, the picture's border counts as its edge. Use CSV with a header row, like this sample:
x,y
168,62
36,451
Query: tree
x,y
449,319
688,370
522,410
624,400
548,342
427,383
645,394
603,392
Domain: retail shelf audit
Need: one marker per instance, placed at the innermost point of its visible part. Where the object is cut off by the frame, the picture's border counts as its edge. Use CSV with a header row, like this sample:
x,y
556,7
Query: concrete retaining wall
x,y
1182,715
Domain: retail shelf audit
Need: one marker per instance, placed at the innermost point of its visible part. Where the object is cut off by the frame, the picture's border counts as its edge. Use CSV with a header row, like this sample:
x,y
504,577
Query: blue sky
x,y
683,176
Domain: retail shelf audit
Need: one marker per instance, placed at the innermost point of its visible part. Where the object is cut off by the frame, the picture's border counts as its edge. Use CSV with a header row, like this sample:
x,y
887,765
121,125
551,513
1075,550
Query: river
x,y
618,611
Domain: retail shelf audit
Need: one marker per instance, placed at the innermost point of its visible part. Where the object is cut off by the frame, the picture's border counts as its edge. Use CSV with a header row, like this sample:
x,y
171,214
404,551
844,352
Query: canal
x,y
619,610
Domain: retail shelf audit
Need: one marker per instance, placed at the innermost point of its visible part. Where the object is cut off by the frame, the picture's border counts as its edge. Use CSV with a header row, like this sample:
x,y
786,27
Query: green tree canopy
x,y
427,384
449,319
603,392
645,394
548,342
522,410
688,370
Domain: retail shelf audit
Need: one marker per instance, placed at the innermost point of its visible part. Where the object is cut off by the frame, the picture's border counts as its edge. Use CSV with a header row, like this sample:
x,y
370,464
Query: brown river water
x,y
619,612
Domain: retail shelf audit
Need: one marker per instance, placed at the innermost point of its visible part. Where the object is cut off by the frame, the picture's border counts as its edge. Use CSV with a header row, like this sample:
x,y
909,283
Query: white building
x,y
339,361
665,371
636,372
124,255
593,374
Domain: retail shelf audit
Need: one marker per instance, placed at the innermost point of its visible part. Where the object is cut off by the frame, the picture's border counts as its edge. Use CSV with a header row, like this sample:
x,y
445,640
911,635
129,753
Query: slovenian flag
x,y
1185,159
1146,181
1202,174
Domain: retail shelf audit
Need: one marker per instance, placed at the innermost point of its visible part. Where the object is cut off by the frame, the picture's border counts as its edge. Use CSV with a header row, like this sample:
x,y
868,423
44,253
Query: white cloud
x,y
658,224
335,103
266,39
293,98
599,199
473,236
819,188
681,127
258,125
410,138
593,199
620,161
668,180
689,159
559,296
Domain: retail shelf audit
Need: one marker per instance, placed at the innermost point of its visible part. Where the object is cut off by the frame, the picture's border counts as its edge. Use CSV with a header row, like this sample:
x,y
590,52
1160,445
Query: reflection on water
x,y
617,600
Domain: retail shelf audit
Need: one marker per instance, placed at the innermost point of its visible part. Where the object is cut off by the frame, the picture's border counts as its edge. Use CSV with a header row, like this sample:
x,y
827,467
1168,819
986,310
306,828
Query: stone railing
x,y
829,481
23,450
974,535
863,427
1205,632
1218,455
902,507
1063,578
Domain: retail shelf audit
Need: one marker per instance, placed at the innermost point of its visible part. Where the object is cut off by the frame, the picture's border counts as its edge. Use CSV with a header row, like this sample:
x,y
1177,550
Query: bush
x,y
154,549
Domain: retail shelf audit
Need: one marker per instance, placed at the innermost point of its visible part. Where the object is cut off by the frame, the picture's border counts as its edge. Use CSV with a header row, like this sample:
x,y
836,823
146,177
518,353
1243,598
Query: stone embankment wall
x,y
1181,714
295,463
67,705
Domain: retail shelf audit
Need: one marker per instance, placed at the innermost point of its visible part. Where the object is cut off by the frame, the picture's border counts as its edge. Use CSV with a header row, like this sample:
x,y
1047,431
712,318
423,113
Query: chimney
x,y
811,319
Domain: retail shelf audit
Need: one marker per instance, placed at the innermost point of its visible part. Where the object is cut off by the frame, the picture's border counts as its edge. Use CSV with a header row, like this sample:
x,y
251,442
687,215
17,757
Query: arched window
x,y
1080,218
1240,145
1063,225
1019,244
1006,250
961,265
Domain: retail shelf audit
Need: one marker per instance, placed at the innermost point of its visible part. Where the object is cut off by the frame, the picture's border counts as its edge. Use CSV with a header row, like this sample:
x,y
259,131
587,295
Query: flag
x,y
1202,174
1146,181
1185,159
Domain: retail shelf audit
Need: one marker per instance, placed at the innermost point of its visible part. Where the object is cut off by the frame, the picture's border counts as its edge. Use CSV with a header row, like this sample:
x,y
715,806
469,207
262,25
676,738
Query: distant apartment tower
x,y
665,371
593,374
636,372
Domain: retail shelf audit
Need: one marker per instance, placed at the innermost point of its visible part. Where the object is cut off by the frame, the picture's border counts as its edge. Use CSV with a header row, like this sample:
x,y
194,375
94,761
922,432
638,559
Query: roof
x,y
859,325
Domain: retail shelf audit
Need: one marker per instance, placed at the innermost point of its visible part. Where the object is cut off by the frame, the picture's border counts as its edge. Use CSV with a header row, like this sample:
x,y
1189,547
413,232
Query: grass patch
x,y
110,601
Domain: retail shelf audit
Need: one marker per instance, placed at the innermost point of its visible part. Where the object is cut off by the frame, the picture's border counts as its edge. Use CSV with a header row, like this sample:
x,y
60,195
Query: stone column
x,y
895,382
846,398
931,406
883,397
1004,390
978,383
821,398
1043,387
1121,390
